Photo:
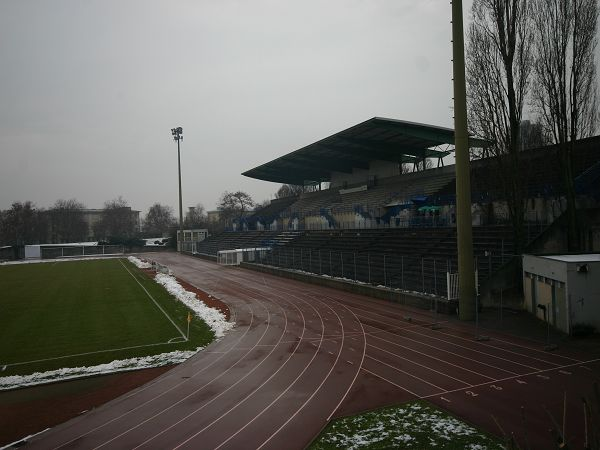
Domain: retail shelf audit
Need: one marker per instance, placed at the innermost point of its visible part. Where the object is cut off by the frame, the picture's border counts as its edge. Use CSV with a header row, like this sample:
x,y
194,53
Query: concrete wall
x,y
380,169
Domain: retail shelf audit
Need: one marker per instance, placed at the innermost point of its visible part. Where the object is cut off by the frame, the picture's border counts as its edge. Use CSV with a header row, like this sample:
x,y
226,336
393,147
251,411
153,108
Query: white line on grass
x,y
152,298
90,353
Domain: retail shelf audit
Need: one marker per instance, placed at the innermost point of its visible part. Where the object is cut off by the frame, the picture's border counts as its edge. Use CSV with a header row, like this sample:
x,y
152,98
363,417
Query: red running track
x,y
302,354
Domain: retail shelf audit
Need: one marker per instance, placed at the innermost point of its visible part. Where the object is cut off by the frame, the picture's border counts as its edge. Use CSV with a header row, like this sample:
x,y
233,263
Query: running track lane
x,y
301,354
272,381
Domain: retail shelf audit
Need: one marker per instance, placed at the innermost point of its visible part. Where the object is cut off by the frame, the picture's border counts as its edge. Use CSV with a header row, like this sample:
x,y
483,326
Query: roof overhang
x,y
354,148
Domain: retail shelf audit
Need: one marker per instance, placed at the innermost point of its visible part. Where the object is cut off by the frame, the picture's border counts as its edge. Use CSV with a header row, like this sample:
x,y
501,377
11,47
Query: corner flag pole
x,y
464,231
189,319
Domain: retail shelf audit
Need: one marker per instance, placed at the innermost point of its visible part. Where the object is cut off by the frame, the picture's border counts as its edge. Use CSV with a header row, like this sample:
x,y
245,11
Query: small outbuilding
x,y
563,289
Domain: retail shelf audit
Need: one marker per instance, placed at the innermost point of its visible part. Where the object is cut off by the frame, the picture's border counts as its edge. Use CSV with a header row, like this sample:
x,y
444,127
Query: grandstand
x,y
378,225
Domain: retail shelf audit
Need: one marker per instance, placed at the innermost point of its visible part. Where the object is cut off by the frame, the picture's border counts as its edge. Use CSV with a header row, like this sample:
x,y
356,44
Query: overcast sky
x,y
89,90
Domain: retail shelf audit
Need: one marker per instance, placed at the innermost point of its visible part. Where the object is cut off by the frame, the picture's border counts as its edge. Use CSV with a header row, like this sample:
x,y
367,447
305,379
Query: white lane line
x,y
24,440
537,373
421,365
268,322
282,393
318,387
362,359
160,380
468,350
433,357
520,345
497,348
407,373
186,397
247,396
155,302
445,351
398,310
391,382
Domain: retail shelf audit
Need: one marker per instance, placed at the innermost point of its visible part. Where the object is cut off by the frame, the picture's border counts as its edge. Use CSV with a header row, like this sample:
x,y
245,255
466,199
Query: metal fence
x,y
54,252
409,273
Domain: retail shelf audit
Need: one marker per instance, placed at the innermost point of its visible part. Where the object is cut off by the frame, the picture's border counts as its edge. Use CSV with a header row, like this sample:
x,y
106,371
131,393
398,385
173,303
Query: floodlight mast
x,y
464,230
178,136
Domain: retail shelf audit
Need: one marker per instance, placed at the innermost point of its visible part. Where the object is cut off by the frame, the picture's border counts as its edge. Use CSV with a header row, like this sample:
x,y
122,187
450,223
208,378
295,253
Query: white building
x,y
563,289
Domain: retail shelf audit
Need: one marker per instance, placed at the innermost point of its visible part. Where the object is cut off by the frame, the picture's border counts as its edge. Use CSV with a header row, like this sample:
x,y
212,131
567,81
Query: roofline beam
x,y
441,135
334,164
398,148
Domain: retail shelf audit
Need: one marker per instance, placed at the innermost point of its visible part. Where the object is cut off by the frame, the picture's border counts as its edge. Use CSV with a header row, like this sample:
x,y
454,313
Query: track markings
x,y
537,374
274,287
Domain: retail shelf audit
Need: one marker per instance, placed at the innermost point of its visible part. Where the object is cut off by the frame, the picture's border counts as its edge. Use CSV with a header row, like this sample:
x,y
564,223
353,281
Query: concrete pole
x,y
180,207
466,272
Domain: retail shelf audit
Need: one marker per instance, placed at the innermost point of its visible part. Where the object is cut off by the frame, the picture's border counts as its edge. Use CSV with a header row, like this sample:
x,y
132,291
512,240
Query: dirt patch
x,y
30,410
207,299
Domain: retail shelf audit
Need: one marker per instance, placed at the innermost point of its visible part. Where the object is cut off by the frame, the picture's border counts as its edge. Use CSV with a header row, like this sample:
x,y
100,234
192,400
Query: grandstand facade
x,y
381,224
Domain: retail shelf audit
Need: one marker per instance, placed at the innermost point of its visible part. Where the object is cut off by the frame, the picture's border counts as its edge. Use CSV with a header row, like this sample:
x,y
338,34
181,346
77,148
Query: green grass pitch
x,y
49,311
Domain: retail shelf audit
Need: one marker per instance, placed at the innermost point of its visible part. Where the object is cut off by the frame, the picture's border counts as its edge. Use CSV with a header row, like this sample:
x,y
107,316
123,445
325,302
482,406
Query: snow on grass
x,y
139,263
214,318
119,365
417,425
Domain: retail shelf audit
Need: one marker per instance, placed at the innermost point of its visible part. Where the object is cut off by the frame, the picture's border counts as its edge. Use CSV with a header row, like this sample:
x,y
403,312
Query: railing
x,y
80,251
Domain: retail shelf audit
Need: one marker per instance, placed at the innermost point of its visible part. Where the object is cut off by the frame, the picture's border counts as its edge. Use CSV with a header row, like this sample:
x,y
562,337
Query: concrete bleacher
x,y
313,202
372,201
272,211
401,254
540,172
230,240
412,259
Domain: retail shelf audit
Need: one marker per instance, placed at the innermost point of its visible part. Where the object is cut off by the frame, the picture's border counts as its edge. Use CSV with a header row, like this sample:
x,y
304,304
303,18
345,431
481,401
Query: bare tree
x,y
196,217
66,221
566,88
23,224
498,69
158,220
117,222
234,205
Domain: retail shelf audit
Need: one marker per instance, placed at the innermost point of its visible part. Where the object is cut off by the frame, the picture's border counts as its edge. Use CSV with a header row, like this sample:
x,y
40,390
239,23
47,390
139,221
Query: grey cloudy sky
x,y
89,90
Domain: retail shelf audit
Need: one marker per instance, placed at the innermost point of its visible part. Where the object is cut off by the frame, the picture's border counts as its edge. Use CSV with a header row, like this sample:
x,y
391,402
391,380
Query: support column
x,y
464,229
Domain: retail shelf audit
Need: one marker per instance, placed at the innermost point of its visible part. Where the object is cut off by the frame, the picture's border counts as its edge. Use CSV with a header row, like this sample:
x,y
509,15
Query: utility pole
x,y
178,136
464,231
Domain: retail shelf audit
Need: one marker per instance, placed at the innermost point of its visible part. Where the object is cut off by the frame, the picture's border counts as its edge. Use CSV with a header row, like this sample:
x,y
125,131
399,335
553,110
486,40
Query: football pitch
x,y
84,313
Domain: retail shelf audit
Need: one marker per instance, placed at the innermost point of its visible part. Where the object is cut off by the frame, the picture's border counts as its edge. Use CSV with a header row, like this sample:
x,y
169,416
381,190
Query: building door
x,y
562,322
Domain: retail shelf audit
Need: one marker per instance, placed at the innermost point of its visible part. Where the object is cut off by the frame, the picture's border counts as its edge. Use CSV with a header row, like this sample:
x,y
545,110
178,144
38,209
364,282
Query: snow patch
x,y
214,318
139,263
118,365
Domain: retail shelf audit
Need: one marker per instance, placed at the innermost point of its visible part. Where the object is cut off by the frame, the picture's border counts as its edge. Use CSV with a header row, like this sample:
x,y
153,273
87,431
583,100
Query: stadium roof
x,y
375,139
